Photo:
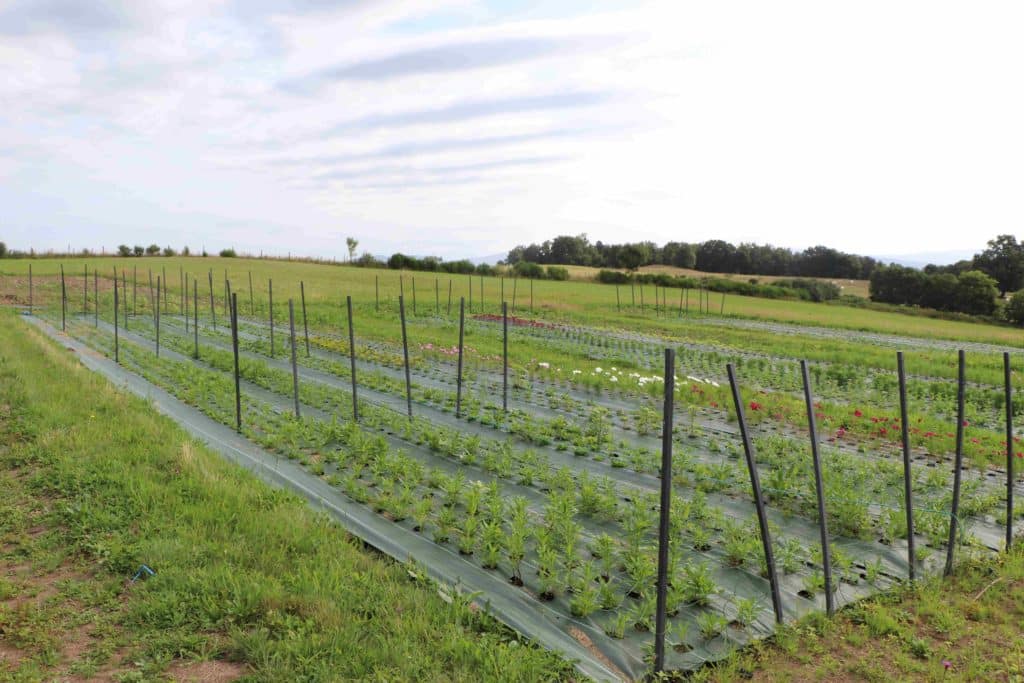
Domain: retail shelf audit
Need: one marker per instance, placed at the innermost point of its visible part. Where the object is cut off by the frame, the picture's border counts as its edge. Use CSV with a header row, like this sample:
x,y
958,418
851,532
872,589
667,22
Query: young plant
x,y
445,524
711,624
421,512
698,583
747,610
492,544
617,628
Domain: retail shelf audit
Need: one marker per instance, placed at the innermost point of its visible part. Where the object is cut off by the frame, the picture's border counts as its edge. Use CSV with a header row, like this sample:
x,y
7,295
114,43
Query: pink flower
x,y
754,405
857,413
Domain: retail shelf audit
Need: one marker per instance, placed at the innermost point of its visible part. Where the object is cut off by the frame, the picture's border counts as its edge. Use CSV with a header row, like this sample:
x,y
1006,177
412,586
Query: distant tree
x,y
1004,261
398,261
716,256
168,251
138,250
153,250
570,251
368,260
185,251
228,253
1015,308
352,244
896,284
631,257
124,250
940,292
3,250
975,293
685,257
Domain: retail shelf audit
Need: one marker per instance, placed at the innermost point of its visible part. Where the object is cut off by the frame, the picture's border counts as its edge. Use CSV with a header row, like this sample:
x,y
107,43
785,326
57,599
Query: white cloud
x,y
464,130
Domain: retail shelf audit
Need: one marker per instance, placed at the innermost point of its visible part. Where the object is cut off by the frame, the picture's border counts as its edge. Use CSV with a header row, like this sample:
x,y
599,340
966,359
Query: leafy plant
x,y
711,624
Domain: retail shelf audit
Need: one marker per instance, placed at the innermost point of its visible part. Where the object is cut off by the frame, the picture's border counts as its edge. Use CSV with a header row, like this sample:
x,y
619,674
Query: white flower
x,y
614,369
577,372
544,365
614,378
597,370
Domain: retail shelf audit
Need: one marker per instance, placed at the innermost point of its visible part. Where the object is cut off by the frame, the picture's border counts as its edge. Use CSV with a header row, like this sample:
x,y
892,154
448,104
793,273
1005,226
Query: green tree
x,y
124,250
716,256
138,250
631,256
975,293
1004,261
153,250
1015,308
3,249
352,243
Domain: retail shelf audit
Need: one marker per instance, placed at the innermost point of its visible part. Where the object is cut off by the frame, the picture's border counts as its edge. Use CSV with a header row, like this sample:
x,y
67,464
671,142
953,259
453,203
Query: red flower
x,y
754,405
857,413
1020,454
966,423
840,433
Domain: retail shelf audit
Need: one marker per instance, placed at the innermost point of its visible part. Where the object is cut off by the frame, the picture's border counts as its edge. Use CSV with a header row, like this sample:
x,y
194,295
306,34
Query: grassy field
x,y
249,581
575,300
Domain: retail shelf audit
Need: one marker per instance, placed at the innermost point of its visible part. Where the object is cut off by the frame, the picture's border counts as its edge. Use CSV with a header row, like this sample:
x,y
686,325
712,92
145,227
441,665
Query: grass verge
x,y
249,581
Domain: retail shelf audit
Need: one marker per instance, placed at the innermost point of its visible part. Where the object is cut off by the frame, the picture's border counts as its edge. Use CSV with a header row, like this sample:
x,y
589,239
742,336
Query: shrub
x,y
612,277
228,253
168,251
528,269
557,273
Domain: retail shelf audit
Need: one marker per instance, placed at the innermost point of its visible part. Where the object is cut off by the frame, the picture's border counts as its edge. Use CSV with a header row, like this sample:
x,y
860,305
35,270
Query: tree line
x,y
976,285
712,256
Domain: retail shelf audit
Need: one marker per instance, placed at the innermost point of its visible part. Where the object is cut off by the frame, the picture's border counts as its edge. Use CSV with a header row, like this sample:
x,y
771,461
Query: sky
x,y
461,128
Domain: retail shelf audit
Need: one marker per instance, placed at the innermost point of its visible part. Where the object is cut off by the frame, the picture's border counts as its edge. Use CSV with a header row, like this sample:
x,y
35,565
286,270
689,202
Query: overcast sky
x,y
465,127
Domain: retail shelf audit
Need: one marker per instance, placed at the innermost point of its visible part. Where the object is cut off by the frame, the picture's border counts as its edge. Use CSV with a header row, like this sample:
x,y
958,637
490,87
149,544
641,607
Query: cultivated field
x,y
539,494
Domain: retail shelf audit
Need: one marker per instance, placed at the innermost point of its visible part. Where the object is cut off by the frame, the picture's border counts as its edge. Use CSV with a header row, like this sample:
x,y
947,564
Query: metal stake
x,y
458,376
819,488
908,496
504,364
755,484
305,322
405,355
1008,399
352,356
664,516
295,366
234,348
954,518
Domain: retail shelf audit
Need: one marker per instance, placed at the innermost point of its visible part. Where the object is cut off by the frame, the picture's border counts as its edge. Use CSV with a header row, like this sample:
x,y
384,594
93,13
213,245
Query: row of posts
x,y
660,299
233,321
750,456
667,430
